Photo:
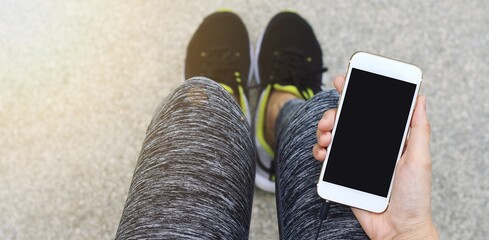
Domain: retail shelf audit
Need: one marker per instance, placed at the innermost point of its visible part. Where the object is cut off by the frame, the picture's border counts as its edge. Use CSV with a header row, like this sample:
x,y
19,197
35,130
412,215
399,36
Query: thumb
x,y
419,137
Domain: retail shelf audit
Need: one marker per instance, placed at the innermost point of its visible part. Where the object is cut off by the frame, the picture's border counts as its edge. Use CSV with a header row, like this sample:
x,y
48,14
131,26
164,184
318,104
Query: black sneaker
x,y
289,58
220,50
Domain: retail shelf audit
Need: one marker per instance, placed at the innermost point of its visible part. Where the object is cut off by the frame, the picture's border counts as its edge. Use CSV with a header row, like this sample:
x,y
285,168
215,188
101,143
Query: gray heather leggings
x,y
194,178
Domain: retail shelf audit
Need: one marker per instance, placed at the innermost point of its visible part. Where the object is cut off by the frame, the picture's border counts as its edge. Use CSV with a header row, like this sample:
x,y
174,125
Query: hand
x,y
409,213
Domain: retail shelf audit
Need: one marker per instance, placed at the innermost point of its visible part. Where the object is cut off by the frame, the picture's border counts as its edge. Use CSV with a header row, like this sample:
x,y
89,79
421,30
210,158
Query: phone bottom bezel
x,y
352,197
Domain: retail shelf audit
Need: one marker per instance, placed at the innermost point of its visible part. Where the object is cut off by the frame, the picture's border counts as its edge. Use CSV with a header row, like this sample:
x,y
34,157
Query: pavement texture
x,y
79,82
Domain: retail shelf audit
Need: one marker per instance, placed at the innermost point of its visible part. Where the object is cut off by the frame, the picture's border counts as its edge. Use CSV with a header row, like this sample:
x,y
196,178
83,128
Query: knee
x,y
199,81
328,98
320,103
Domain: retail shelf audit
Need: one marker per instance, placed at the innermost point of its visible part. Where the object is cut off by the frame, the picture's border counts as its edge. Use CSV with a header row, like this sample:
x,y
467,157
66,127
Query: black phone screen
x,y
369,132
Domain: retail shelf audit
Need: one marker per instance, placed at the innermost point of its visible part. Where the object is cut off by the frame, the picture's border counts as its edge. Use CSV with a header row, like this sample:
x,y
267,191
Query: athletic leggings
x,y
194,178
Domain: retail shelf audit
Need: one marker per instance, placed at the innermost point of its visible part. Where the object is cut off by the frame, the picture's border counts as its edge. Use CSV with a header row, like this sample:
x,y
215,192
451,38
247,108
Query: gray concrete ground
x,y
79,82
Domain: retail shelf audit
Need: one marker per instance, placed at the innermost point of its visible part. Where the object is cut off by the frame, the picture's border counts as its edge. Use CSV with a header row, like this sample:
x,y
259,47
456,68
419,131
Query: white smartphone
x,y
372,122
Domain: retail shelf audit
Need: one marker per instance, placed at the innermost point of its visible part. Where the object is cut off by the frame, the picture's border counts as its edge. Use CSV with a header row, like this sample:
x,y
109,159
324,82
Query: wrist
x,y
422,231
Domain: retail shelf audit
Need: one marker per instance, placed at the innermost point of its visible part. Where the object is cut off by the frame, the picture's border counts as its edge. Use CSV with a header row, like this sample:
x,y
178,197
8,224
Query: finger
x,y
338,83
318,152
419,137
324,139
327,121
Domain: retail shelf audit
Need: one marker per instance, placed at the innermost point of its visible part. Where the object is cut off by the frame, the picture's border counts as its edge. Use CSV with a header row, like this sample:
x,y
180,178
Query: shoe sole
x,y
261,180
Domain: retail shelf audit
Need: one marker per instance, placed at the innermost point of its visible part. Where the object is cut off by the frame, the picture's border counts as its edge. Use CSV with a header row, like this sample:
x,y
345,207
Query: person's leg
x,y
298,204
194,176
